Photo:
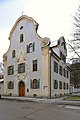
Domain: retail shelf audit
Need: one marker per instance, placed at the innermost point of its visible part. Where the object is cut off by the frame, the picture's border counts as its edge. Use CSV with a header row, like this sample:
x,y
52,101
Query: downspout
x,y
50,74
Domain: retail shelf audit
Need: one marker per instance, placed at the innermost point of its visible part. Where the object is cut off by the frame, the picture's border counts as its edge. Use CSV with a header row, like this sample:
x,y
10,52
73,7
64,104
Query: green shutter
x,y
31,84
27,49
38,83
18,68
24,67
12,69
33,46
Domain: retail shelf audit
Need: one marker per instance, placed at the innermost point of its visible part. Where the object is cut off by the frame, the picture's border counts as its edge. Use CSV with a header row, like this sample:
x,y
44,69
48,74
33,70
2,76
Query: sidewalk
x,y
43,100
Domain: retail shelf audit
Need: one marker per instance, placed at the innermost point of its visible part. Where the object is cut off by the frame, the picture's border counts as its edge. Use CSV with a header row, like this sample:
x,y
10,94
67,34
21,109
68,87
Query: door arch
x,y
21,88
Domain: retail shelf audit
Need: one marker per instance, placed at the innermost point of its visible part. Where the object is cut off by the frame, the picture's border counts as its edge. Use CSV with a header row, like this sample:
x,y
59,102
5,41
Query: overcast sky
x,y
53,16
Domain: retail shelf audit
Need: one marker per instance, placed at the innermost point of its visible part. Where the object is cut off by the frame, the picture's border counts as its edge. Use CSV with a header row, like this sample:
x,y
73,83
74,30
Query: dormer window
x,y
63,44
21,38
58,42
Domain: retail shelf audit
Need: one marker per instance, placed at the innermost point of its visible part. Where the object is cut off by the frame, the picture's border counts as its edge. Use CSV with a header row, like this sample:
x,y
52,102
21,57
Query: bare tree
x,y
74,43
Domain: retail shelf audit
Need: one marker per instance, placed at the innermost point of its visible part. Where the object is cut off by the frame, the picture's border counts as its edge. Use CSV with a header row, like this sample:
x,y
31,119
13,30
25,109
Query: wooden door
x,y
21,89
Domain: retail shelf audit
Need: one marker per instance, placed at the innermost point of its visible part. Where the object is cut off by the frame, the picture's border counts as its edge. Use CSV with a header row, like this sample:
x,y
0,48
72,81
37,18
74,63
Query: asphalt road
x,y
19,110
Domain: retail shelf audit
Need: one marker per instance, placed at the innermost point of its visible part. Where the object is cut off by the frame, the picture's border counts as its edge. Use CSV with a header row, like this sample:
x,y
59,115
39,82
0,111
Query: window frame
x,y
55,84
10,85
21,37
55,67
35,84
30,47
60,69
13,54
21,68
60,85
10,70
35,65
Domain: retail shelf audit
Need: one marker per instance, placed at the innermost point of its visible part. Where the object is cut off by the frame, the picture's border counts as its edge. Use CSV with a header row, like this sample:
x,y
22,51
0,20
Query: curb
x,y
37,100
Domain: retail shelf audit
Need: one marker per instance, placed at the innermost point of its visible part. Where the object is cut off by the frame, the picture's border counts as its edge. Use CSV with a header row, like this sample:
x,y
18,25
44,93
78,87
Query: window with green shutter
x,y
27,48
21,68
35,84
30,48
10,85
11,70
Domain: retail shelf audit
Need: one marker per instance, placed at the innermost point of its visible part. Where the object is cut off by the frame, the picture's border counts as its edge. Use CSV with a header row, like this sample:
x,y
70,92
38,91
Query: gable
x,y
23,18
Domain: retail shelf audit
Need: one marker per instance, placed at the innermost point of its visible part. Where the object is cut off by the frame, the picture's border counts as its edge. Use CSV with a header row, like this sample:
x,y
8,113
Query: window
x,y
35,84
64,85
30,48
55,84
55,67
21,38
58,42
34,65
60,85
10,85
60,70
21,68
21,27
13,54
10,70
67,74
67,86
63,57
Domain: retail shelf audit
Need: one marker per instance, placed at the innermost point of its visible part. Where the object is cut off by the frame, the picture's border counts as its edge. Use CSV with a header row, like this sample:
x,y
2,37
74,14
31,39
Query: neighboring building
x,y
75,73
1,79
32,65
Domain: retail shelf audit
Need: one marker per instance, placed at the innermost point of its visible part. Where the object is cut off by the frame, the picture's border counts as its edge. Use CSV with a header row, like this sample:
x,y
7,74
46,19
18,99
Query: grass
x,y
73,97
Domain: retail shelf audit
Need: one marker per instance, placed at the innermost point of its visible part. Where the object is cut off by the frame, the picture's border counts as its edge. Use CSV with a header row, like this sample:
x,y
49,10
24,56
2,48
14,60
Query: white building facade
x,y
29,63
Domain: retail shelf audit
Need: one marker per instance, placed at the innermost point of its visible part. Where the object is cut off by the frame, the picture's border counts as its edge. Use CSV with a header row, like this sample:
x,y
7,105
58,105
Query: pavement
x,y
60,101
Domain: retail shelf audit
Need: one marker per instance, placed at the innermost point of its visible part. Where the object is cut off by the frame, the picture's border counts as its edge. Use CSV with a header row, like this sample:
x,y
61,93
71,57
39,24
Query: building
x,y
32,65
1,79
75,73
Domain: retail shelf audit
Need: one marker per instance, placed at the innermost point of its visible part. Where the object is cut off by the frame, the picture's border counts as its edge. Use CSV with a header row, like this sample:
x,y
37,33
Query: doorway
x,y
21,88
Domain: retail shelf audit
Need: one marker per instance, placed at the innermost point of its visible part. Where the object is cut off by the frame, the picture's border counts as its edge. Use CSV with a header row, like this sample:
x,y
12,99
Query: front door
x,y
21,89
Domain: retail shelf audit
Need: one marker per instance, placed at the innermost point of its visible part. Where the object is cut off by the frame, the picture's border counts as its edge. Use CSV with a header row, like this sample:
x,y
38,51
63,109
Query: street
x,y
18,110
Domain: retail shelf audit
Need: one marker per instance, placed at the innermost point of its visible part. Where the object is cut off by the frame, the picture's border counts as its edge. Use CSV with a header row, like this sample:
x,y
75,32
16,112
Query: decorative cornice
x,y
46,42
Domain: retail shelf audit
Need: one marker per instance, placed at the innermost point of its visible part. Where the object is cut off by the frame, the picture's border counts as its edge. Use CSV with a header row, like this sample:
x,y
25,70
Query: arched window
x,y
13,54
35,84
60,85
30,48
55,84
21,38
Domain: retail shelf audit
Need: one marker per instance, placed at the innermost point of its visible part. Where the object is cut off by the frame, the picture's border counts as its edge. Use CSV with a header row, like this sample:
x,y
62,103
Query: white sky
x,y
53,16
